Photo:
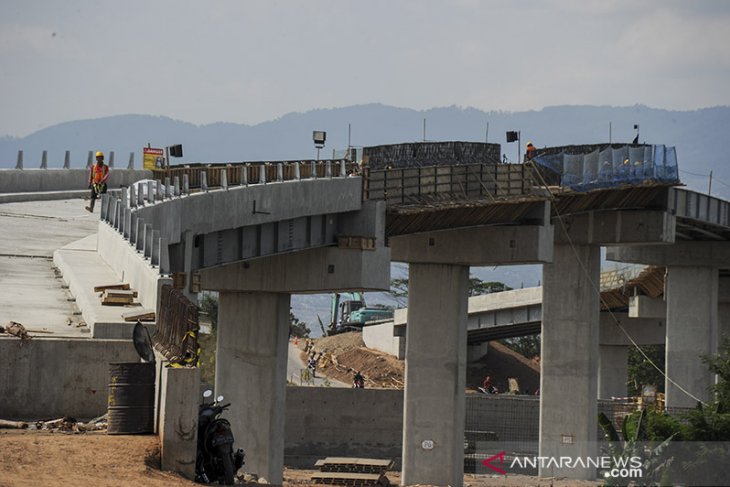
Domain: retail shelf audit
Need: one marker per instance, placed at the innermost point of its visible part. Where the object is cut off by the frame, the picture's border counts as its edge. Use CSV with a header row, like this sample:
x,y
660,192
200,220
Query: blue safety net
x,y
611,167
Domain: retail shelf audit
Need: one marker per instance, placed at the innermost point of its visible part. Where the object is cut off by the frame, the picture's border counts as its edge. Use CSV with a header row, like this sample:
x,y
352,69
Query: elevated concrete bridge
x,y
268,230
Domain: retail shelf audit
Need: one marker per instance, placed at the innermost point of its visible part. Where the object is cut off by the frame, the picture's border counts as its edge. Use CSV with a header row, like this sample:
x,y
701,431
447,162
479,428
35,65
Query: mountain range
x,y
698,135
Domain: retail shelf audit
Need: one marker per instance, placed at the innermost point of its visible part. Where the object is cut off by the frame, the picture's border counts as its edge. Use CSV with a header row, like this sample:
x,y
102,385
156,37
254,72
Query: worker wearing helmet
x,y
97,179
530,152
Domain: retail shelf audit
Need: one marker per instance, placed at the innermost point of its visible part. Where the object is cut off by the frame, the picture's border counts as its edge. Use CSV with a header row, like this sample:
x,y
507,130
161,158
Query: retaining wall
x,y
46,378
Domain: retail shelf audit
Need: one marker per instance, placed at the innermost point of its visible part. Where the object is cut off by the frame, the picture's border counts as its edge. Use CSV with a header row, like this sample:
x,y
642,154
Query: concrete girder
x,y
320,270
704,254
242,206
476,246
625,227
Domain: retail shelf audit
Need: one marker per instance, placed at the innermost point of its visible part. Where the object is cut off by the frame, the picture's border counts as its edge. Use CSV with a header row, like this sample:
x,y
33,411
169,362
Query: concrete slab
x,y
30,291
83,269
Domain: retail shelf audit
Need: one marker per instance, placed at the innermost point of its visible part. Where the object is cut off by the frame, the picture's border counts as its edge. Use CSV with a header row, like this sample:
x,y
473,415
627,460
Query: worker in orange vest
x,y
97,179
531,151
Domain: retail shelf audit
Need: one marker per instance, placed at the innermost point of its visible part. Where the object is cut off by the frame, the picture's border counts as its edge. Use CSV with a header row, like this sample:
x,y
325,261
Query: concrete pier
x,y
250,373
569,358
433,419
613,366
692,324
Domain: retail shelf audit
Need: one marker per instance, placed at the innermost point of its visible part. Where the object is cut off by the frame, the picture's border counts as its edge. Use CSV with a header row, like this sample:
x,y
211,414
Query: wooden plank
x,y
141,315
104,287
118,293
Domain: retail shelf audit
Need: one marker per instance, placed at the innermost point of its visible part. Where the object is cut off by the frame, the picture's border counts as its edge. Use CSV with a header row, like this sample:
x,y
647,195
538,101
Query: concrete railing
x,y
42,180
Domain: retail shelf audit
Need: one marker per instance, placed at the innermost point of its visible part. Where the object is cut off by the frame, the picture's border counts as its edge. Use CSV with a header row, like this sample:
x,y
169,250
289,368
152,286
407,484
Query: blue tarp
x,y
613,166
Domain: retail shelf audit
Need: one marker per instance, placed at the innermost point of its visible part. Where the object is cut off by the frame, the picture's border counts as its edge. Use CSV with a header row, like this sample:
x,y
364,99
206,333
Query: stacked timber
x,y
116,294
352,471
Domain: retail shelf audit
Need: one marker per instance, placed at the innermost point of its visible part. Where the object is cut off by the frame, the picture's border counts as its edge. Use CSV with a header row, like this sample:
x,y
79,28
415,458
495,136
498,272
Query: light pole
x,y
319,137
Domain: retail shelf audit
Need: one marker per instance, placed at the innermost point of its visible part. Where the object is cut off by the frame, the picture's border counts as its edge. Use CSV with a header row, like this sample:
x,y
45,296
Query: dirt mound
x,y
340,356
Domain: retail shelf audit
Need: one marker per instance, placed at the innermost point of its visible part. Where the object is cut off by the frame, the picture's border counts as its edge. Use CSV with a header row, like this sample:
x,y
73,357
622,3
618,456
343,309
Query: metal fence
x,y
177,328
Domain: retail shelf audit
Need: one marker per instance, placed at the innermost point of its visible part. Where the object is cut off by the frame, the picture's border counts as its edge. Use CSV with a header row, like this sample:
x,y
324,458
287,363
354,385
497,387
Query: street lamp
x,y
319,136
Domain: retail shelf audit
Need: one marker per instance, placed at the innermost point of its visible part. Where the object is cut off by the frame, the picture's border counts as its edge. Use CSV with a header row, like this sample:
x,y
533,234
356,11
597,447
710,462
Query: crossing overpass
x,y
258,232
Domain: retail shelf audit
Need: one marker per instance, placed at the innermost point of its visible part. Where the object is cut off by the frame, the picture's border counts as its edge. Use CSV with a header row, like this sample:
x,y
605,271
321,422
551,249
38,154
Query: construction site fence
x,y
177,328
463,181
610,167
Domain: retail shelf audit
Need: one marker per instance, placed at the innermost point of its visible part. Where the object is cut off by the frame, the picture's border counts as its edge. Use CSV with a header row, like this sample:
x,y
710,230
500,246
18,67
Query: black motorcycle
x,y
216,461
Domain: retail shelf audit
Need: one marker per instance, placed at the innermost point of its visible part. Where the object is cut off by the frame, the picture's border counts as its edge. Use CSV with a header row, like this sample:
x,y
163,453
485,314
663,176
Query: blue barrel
x,y
131,402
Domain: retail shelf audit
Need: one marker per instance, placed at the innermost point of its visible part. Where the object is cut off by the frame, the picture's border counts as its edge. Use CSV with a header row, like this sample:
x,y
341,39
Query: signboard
x,y
153,158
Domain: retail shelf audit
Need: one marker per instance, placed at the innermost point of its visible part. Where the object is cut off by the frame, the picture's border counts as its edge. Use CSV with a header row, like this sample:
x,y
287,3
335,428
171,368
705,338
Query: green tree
x,y
529,345
208,304
640,371
477,287
298,328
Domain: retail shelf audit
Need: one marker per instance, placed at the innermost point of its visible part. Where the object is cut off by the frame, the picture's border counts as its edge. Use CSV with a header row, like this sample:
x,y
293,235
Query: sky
x,y
250,61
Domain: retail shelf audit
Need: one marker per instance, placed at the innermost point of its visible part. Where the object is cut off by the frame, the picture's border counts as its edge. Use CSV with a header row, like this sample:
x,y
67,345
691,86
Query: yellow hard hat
x,y
529,143
99,154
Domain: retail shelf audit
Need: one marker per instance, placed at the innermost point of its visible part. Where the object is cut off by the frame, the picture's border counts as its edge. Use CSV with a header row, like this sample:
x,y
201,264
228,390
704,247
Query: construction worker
x,y
531,151
97,179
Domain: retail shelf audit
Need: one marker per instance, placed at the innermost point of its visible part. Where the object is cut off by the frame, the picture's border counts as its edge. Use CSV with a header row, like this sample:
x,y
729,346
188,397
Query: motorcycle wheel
x,y
224,452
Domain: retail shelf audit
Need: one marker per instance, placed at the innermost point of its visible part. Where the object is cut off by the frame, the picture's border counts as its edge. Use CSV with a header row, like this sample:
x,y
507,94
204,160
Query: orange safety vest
x,y
99,174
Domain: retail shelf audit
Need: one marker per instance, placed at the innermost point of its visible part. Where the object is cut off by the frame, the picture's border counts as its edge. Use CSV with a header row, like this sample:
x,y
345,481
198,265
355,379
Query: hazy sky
x,y
252,61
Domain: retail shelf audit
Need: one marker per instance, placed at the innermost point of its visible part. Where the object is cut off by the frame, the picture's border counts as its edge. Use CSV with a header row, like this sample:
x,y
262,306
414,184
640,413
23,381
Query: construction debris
x,y
65,424
139,315
352,471
117,297
98,289
16,329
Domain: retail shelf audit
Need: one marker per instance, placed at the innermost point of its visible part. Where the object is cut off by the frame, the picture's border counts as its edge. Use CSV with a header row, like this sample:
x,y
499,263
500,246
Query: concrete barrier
x,y
49,180
52,377
130,266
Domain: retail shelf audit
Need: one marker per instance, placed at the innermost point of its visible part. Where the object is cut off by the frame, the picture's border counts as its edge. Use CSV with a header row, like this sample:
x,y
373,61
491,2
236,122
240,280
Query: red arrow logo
x,y
487,462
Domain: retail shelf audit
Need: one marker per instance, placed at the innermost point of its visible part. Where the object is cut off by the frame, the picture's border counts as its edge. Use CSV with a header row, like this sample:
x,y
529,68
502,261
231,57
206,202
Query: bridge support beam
x,y
691,332
692,295
613,368
251,357
569,358
433,417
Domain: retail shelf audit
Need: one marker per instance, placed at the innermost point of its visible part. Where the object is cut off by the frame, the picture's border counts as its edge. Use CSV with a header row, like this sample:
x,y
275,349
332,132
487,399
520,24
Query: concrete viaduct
x,y
269,230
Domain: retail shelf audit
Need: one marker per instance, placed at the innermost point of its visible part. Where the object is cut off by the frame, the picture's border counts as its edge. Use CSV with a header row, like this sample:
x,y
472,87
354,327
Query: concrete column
x,y
251,357
692,325
433,412
569,358
613,371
